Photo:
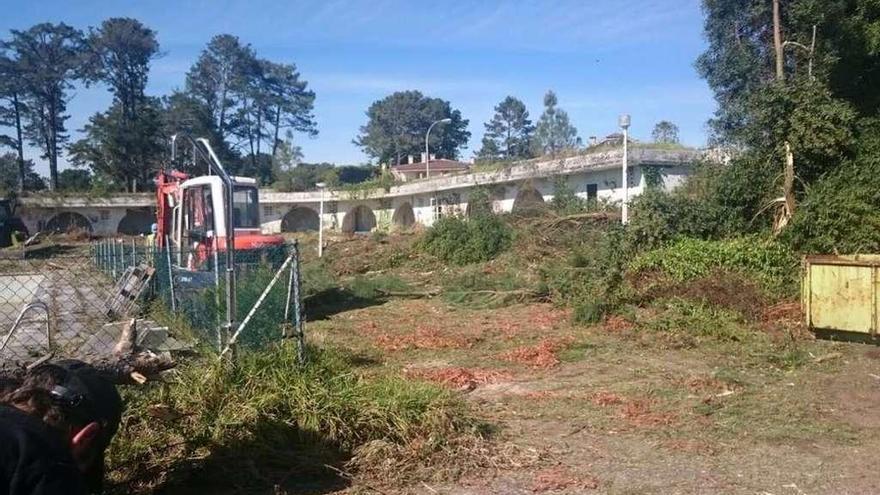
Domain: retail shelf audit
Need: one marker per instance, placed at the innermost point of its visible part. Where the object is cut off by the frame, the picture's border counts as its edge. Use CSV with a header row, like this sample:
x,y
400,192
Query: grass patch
x,y
270,417
690,323
770,263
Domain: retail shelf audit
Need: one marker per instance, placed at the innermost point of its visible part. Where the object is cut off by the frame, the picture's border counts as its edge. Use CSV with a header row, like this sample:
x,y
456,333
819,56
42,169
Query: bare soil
x,y
601,410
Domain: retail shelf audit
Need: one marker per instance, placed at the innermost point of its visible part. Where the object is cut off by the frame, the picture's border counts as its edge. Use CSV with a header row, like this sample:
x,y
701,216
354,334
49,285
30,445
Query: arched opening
x,y
300,219
359,219
136,222
68,221
528,199
403,216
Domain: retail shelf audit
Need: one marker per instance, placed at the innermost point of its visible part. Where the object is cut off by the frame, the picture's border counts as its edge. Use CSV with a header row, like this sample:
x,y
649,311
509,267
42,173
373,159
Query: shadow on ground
x,y
322,305
278,458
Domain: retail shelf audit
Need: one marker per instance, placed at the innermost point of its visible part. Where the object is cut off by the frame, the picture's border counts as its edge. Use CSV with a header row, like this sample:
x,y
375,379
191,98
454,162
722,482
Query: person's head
x,y
154,228
76,400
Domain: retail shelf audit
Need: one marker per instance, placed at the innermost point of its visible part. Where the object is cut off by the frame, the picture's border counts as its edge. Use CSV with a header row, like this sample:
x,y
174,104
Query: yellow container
x,y
841,293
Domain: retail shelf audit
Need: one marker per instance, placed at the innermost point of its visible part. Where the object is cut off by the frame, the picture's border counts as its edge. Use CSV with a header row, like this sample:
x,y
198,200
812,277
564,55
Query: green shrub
x,y
841,213
770,263
459,241
588,312
692,322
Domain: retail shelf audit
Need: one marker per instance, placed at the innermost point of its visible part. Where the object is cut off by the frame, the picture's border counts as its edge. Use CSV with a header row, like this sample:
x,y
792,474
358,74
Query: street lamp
x,y
624,122
427,154
321,186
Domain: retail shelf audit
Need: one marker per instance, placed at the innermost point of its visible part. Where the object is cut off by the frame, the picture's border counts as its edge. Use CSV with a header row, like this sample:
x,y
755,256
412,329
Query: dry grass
x,y
541,355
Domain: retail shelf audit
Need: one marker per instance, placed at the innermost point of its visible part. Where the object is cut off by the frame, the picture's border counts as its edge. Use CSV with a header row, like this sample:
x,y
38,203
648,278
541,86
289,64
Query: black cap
x,y
89,397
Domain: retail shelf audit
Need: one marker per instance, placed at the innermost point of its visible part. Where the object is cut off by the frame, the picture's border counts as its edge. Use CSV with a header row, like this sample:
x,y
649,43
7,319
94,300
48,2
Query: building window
x,y
105,214
268,210
592,192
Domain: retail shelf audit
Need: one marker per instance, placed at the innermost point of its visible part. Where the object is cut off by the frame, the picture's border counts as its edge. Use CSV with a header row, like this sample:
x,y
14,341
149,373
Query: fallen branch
x,y
408,294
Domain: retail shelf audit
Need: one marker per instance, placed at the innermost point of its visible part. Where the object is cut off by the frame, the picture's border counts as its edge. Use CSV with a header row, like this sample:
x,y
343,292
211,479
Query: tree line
x,y
245,104
249,107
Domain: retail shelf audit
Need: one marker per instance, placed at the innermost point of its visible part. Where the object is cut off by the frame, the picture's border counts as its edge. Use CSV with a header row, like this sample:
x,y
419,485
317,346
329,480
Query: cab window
x,y
245,207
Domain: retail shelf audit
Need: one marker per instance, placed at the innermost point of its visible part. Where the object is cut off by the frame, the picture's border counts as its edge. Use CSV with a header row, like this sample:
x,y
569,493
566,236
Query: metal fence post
x,y
170,273
297,310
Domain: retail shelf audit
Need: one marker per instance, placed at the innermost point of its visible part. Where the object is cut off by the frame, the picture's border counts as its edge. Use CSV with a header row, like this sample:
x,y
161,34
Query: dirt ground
x,y
616,408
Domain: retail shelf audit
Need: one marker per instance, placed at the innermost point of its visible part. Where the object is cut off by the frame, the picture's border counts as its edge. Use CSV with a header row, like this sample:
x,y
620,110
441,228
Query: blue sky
x,y
601,57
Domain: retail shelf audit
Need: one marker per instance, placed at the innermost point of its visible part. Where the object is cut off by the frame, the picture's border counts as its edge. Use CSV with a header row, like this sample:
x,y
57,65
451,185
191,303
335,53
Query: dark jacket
x,y
34,458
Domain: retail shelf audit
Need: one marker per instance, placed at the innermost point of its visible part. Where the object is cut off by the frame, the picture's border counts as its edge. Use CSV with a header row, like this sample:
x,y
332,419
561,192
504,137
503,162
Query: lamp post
x,y
321,186
624,122
427,154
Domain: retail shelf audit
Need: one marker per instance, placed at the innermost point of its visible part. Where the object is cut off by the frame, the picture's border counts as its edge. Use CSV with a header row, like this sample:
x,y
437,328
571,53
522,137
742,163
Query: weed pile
x,y
285,422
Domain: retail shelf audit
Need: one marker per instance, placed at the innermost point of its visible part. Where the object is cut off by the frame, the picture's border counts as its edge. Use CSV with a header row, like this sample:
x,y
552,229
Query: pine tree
x,y
554,132
509,133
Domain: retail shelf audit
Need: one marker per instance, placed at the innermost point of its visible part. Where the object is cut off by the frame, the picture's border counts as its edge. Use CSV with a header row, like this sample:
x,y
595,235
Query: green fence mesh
x,y
76,297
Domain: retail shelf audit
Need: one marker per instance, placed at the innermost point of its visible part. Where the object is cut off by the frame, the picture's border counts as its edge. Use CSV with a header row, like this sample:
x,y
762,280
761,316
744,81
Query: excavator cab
x,y
194,215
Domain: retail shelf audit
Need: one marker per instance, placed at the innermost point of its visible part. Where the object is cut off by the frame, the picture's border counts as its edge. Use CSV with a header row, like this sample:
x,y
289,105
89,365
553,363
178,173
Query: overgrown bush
x,y
716,201
841,213
769,262
463,241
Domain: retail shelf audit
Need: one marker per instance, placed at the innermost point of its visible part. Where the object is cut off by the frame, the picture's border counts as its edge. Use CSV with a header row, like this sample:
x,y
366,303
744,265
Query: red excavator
x,y
194,213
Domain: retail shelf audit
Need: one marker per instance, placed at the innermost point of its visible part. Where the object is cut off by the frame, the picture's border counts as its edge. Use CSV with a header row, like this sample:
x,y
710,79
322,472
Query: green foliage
x,y
9,174
479,202
397,124
665,132
48,60
377,287
126,149
841,214
691,322
590,278
473,287
554,132
565,201
74,180
459,241
805,114
714,202
276,413
769,262
509,133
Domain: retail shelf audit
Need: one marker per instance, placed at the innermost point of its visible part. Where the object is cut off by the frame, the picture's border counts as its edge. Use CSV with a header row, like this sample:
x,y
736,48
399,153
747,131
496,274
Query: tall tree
x,y
219,79
290,103
128,151
554,132
772,66
397,124
49,58
123,143
12,111
119,54
665,132
9,181
510,130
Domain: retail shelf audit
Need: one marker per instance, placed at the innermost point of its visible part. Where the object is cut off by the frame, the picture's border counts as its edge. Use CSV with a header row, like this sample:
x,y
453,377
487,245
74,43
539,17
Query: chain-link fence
x,y
74,301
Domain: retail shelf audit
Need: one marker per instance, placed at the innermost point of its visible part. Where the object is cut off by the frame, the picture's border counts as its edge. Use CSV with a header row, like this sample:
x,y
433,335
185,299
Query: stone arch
x,y
136,222
404,217
528,199
300,219
359,219
67,221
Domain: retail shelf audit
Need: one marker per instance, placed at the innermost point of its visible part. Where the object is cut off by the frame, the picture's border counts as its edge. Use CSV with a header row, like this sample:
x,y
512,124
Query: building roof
x,y
438,165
